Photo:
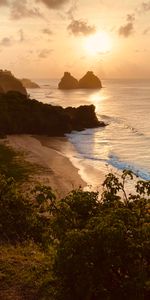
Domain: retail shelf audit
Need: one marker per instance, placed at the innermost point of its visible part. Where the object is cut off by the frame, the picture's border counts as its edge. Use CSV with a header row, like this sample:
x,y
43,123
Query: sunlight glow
x,y
98,43
99,100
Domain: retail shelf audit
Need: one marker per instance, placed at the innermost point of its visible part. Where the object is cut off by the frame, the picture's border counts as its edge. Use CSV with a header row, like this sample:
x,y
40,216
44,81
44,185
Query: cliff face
x,y
90,81
68,82
9,83
20,115
83,117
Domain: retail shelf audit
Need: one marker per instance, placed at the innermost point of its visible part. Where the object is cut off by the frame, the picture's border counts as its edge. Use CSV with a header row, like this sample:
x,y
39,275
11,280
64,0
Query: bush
x,y
104,246
23,217
101,247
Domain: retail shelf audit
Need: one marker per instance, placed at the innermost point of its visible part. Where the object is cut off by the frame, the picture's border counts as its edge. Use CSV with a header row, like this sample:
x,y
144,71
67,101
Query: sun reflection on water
x,y
98,99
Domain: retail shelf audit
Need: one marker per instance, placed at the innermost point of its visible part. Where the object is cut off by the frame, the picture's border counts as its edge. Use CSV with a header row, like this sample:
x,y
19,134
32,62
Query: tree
x,y
100,246
103,246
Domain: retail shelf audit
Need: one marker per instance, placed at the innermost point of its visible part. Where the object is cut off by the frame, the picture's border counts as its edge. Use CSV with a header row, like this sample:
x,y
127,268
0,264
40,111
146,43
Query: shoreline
x,y
52,155
91,177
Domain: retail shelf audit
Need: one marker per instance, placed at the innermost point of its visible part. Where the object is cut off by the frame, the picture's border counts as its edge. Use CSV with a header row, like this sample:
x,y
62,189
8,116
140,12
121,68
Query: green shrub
x,y
101,246
104,246
22,217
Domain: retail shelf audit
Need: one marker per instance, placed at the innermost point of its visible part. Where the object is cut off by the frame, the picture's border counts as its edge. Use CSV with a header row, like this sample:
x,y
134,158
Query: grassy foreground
x,y
12,164
25,271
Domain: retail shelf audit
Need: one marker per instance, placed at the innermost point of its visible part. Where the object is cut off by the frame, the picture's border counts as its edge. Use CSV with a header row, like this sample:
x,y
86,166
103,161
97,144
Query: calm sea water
x,y
125,106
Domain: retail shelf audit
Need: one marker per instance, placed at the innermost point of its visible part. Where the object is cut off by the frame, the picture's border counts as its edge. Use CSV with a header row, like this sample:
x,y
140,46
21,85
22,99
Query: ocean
x,y
125,142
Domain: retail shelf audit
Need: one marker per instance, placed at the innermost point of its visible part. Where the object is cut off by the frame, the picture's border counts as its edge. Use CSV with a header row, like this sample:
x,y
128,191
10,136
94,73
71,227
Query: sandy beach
x,y
49,153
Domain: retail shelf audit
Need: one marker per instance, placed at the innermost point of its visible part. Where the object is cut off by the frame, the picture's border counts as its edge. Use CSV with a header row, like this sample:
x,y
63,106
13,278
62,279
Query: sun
x,y
98,43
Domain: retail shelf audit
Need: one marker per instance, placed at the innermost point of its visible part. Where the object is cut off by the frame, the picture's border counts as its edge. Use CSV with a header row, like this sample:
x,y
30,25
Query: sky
x,y
44,38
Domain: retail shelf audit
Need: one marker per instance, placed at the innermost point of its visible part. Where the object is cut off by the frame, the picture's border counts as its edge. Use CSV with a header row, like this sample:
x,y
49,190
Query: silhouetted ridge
x,y
29,84
88,81
21,115
68,82
9,83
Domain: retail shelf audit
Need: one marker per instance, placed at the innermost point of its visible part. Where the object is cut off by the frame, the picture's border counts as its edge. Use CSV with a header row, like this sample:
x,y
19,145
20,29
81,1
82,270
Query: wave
x,y
77,134
96,148
111,119
115,162
121,165
105,117
83,148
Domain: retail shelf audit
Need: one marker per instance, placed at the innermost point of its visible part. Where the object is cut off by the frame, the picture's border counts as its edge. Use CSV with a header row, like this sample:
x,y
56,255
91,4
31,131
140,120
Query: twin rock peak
x,y
88,81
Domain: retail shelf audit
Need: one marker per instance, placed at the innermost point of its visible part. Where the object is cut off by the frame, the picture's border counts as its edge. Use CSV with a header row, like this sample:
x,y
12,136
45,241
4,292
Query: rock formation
x,y
83,117
68,82
21,115
90,81
28,84
9,83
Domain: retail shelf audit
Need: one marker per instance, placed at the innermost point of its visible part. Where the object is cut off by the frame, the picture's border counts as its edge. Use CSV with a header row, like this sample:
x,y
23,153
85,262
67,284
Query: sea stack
x,y
9,83
68,82
90,81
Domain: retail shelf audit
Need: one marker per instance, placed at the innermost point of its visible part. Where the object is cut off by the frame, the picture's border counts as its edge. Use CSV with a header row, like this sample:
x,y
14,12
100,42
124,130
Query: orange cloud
x,y
54,4
80,27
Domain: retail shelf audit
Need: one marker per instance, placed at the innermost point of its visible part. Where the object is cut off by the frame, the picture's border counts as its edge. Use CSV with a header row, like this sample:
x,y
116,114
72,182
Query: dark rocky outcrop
x,y
9,83
28,84
68,82
83,117
21,115
90,81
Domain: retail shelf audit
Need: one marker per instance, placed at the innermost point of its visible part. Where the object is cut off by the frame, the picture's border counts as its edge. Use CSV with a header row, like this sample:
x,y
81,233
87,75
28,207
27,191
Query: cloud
x,y
19,10
3,2
47,31
130,18
45,53
10,41
145,6
80,27
141,51
72,9
6,42
146,30
127,29
53,4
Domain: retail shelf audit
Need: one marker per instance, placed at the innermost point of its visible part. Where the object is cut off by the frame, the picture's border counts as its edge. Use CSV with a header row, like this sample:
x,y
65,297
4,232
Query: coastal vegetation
x,y
13,164
84,246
